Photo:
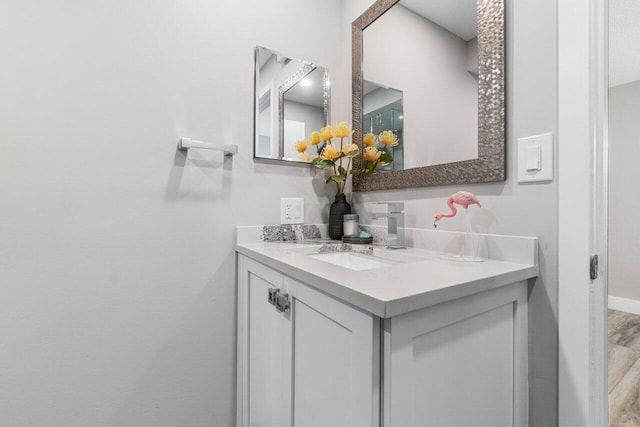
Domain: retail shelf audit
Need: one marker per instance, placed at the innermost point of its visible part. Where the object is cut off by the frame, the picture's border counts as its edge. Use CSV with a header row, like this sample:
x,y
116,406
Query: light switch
x,y
535,158
534,154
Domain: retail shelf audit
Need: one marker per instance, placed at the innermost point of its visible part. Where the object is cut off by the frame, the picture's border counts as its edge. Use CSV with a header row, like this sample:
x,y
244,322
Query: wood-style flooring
x,y
624,369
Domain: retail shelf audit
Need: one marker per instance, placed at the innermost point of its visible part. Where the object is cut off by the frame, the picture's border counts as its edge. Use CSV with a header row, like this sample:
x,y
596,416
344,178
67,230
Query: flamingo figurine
x,y
464,199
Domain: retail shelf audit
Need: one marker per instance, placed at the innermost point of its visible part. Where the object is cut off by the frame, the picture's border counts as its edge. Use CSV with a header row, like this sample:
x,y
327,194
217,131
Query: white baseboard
x,y
624,304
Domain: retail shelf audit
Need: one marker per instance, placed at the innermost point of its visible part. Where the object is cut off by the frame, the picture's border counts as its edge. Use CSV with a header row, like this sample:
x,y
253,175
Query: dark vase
x,y
339,208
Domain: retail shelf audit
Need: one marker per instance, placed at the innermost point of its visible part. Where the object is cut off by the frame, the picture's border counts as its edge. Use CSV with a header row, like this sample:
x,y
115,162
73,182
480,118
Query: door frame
x,y
582,204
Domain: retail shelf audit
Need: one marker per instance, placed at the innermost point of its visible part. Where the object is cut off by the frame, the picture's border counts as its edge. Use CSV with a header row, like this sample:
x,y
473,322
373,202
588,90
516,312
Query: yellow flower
x,y
341,130
315,138
381,163
372,154
369,140
301,146
326,133
330,152
304,157
349,148
388,138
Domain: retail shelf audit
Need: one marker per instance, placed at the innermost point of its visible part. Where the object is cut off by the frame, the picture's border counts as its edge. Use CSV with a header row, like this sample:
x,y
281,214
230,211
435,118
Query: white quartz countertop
x,y
395,289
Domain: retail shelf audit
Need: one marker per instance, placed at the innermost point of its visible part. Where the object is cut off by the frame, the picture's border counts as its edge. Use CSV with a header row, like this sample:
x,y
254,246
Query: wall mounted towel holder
x,y
186,143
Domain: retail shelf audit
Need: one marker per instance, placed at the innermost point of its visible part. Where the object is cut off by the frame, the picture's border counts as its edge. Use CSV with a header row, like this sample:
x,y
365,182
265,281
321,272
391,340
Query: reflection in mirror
x,y
382,110
444,62
434,64
291,100
302,111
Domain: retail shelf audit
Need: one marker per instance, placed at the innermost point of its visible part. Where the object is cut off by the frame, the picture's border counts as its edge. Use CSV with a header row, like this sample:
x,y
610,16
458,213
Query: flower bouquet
x,y
338,157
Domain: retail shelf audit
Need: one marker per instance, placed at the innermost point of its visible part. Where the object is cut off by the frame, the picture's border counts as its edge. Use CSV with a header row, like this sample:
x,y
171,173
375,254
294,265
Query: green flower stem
x,y
347,172
335,172
334,168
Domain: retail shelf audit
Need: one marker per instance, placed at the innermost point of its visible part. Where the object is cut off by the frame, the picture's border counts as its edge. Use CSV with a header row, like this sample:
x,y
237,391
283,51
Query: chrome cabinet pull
x,y
273,292
282,302
278,300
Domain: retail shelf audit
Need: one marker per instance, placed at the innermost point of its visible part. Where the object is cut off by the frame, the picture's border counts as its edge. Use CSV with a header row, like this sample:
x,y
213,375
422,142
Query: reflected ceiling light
x,y
305,82
400,117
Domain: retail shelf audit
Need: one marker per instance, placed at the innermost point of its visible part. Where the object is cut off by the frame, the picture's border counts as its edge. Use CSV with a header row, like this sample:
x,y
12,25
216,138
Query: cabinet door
x,y
461,363
333,359
315,365
264,394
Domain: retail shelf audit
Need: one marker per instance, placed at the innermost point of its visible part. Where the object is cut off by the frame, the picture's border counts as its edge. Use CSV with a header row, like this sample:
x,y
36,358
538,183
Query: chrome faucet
x,y
395,221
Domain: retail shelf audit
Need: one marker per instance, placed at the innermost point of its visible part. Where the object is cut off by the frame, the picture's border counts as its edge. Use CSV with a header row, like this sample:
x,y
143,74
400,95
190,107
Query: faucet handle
x,y
393,207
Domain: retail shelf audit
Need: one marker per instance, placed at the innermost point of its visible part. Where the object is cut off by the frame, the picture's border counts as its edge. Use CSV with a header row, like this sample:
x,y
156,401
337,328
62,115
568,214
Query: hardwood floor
x,y
624,369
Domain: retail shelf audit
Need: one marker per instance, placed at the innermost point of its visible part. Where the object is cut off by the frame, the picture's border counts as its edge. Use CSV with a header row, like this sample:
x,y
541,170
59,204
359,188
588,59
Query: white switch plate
x,y
534,146
291,210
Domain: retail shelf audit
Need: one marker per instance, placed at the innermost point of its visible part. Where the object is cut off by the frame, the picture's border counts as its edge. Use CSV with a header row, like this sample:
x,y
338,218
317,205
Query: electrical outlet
x,y
291,211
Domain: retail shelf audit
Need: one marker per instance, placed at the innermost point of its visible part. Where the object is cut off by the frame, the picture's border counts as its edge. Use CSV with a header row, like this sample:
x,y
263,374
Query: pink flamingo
x,y
462,198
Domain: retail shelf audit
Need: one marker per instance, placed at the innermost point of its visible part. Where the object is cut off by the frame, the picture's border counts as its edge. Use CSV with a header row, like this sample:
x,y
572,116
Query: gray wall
x,y
117,296
624,203
509,208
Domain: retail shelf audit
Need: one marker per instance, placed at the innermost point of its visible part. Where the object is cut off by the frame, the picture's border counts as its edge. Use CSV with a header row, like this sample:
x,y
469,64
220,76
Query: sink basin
x,y
354,261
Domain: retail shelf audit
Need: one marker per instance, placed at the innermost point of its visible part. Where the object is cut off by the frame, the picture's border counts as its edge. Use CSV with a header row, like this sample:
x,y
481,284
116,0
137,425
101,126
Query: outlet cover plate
x,y
291,210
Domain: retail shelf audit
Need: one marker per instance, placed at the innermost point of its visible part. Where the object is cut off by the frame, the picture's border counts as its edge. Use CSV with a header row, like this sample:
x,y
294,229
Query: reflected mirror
x,y
382,110
291,101
433,72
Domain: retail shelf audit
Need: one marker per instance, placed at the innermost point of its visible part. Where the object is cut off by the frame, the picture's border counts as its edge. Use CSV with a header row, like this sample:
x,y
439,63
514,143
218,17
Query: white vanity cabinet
x,y
321,362
310,364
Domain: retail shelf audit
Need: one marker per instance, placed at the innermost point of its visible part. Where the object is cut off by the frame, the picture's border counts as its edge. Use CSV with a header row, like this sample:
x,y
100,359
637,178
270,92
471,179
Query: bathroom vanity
x,y
332,337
